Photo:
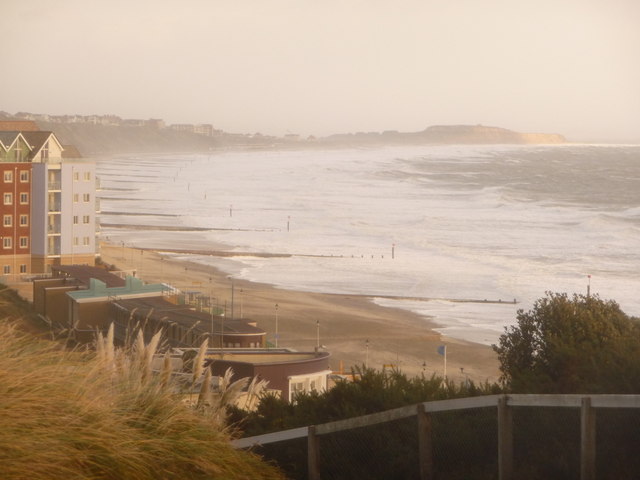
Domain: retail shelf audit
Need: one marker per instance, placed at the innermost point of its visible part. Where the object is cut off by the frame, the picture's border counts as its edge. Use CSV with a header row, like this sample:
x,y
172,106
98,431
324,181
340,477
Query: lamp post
x,y
366,361
317,335
276,325
232,293
211,306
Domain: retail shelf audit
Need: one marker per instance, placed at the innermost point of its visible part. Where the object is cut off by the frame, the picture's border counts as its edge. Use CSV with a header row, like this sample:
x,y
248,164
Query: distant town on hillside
x,y
109,134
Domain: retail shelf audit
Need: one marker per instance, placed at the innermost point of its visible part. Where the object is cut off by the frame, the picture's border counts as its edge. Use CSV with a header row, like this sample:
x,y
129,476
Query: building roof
x,y
98,290
84,274
158,309
38,139
266,357
19,126
7,138
70,151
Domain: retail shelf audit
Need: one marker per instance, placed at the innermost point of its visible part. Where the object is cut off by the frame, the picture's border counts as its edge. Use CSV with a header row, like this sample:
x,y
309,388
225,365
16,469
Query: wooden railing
x,y
588,404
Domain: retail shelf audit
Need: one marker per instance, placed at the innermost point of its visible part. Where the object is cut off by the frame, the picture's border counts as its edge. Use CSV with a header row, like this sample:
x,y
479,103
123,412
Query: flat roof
x,y
259,358
84,274
160,310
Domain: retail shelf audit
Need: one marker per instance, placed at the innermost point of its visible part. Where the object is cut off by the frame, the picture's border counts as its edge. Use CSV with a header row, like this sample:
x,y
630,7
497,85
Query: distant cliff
x,y
451,134
111,139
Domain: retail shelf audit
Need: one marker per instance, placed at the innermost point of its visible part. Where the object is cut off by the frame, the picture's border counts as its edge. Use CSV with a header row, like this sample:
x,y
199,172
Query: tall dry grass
x,y
106,415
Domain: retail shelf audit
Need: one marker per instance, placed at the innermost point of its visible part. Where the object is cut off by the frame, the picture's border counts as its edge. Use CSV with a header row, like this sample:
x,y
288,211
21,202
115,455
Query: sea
x,y
465,235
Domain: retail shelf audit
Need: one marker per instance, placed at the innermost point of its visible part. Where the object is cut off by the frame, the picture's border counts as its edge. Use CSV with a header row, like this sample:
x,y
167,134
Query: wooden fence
x,y
588,404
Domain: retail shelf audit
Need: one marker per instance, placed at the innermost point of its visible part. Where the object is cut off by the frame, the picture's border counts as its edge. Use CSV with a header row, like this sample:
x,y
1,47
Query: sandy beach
x,y
396,337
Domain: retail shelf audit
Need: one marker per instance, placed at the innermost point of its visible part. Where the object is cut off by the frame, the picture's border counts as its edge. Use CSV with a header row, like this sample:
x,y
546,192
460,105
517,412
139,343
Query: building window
x,y
44,153
24,220
24,242
76,176
87,176
6,269
76,197
7,242
297,387
76,241
85,240
7,220
8,176
86,197
24,198
86,219
8,198
24,176
23,268
75,219
18,154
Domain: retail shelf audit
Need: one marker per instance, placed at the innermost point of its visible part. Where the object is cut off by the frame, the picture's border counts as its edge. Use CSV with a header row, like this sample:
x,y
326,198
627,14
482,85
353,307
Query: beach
x,y
342,323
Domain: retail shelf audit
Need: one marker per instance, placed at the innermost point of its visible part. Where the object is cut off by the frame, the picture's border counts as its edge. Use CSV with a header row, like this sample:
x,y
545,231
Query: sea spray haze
x,y
433,223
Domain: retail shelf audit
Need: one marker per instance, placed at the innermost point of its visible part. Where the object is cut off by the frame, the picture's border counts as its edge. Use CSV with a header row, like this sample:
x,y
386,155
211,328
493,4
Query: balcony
x,y
54,186
54,207
53,229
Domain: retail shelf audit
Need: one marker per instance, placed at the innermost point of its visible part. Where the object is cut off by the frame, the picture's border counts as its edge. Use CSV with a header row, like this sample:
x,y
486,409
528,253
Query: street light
x,y
232,293
276,325
366,361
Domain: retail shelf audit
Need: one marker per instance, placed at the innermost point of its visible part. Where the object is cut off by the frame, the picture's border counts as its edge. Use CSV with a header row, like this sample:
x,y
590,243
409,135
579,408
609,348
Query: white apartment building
x,y
64,214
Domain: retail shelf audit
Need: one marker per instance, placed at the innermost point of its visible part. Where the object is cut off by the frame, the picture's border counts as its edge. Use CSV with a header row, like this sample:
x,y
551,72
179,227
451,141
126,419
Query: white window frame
x,y
24,198
7,242
24,242
8,176
24,176
7,198
7,220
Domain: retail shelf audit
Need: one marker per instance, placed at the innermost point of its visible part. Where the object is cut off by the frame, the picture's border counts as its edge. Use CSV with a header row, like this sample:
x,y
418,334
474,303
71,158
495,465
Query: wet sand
x,y
395,337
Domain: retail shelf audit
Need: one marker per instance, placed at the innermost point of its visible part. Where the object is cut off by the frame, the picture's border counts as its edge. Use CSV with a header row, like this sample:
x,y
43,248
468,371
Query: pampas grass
x,y
106,415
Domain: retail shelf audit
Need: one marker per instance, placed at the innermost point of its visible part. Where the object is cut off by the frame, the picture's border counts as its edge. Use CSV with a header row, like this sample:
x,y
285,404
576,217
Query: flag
x,y
442,350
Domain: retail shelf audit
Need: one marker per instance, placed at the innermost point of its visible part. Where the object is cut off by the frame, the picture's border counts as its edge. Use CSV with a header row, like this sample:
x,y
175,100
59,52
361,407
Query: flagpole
x,y
445,362
442,350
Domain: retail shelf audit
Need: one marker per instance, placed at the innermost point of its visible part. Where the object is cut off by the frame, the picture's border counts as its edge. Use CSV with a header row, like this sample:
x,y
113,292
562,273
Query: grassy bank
x,y
71,415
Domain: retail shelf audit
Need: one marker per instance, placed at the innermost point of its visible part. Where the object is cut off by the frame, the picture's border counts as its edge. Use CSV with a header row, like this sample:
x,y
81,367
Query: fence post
x,y
587,440
505,439
425,443
313,454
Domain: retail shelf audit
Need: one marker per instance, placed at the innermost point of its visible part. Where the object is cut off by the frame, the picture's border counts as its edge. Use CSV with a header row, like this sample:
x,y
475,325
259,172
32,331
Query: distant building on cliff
x,y
48,201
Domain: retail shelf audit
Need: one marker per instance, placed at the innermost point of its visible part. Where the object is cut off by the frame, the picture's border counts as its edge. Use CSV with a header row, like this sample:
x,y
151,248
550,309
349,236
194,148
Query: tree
x,y
571,345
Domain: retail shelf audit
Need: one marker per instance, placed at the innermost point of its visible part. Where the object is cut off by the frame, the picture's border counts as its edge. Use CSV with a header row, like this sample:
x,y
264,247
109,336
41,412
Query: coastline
x,y
396,337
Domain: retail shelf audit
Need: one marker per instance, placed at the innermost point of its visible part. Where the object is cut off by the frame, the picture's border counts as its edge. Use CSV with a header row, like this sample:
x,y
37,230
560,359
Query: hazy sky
x,y
328,66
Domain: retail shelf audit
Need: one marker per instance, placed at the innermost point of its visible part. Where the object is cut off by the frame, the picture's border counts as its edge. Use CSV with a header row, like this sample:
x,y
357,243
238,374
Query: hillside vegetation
x,y
103,415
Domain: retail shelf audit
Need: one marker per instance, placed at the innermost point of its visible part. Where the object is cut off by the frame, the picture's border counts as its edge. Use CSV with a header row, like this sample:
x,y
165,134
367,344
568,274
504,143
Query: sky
x,y
331,66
